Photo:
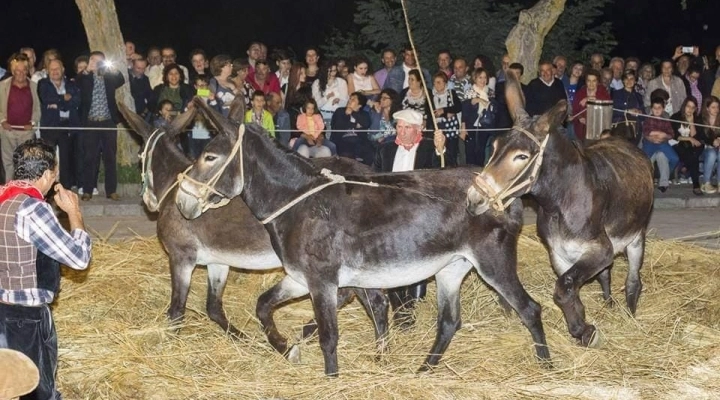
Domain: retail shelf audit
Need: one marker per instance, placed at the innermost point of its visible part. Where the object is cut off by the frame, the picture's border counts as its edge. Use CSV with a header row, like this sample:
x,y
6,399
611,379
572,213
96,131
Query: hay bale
x,y
115,342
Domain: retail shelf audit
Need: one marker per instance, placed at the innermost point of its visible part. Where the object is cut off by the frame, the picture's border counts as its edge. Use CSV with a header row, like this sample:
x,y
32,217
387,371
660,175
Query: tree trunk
x,y
526,39
103,32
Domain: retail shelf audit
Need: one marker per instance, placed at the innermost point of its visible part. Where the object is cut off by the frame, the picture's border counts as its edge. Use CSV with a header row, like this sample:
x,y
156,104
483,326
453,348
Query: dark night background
x,y
645,28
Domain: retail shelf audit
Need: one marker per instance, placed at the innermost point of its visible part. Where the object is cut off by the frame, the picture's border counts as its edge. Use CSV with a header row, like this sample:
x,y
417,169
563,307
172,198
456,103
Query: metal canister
x,y
599,117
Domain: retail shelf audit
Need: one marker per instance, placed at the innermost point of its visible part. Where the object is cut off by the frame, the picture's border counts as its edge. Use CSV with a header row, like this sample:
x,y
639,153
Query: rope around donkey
x,y
422,76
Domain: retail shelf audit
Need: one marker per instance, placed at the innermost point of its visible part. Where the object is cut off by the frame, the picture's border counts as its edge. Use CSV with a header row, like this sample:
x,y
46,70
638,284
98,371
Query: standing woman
x,y
711,136
173,89
382,124
240,70
329,91
592,90
478,115
646,74
312,65
484,62
362,81
628,104
222,88
299,91
575,82
414,97
447,106
689,137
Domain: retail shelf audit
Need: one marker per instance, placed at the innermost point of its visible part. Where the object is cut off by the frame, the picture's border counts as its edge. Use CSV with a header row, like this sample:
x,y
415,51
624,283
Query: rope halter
x,y
499,201
206,189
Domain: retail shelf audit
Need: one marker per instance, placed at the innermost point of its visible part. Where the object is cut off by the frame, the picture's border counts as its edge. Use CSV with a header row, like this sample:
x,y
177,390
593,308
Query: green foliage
x,y
125,173
579,31
467,28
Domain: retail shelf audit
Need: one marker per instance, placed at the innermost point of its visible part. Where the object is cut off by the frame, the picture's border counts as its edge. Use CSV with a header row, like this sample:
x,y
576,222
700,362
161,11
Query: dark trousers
x,y
475,147
61,139
94,143
31,331
77,159
690,157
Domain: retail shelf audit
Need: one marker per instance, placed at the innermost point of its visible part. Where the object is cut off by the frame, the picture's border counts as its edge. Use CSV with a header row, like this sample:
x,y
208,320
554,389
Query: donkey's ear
x,y
220,123
515,98
135,121
182,121
552,118
237,110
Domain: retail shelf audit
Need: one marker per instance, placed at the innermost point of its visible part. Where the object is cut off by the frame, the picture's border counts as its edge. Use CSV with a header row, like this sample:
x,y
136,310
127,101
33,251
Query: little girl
x,y
164,115
312,142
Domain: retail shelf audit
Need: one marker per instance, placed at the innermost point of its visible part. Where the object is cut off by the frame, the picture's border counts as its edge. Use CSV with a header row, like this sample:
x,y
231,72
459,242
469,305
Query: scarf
x,y
417,140
16,188
442,99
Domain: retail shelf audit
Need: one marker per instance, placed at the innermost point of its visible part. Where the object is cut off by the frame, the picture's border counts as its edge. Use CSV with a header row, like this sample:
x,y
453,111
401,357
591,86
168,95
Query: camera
x,y
688,49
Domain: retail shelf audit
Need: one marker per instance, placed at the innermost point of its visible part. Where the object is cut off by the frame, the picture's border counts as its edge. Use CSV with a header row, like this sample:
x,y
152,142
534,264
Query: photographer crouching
x,y
35,244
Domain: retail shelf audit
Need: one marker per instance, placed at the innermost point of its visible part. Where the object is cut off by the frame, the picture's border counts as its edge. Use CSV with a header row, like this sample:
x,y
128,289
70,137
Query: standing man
x,y
388,61
262,79
99,110
544,91
154,70
169,57
444,61
410,151
199,64
30,270
19,110
460,81
140,89
397,77
254,53
281,118
560,68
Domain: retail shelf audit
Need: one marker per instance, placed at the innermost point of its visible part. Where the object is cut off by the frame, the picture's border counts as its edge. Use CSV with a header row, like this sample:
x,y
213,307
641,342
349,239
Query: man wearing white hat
x,y
409,151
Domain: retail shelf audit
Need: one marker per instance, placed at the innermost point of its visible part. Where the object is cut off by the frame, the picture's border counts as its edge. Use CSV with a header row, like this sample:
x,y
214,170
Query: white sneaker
x,y
80,191
95,192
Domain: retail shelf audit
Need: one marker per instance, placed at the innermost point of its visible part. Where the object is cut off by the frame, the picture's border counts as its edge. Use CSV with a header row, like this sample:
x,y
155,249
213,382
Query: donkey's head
x,y
217,174
517,154
162,166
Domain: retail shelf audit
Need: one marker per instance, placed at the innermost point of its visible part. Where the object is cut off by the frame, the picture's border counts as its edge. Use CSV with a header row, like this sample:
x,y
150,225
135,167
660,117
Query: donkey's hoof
x,y
293,355
592,337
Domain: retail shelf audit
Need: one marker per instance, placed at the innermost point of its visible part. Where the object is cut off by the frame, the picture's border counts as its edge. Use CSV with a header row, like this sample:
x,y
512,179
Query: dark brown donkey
x,y
380,231
225,237
594,202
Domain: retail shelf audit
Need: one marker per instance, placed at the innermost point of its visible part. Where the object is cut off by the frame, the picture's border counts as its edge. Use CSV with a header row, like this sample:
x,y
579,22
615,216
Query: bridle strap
x,y
209,187
501,200
146,165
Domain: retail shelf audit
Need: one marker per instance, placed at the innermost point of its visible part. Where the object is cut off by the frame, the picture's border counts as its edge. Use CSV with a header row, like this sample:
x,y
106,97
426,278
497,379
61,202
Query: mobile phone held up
x,y
688,49
203,93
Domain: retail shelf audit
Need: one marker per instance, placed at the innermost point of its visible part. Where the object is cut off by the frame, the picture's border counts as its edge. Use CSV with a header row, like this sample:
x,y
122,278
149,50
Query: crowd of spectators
x,y
322,107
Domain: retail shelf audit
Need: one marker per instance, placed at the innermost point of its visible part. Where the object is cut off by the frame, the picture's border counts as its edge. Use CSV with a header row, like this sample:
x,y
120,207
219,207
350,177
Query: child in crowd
x,y
312,143
259,115
656,136
165,114
200,135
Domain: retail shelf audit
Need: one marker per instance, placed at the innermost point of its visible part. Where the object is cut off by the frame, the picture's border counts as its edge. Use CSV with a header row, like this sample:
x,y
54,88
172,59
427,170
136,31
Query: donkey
x,y
231,236
374,231
594,202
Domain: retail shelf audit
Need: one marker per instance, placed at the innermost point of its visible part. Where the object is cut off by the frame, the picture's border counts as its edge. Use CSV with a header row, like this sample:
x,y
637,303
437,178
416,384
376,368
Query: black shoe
x,y
663,188
86,196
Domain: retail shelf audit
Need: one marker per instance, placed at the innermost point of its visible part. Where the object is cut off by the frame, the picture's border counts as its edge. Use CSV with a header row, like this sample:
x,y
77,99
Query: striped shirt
x,y
36,224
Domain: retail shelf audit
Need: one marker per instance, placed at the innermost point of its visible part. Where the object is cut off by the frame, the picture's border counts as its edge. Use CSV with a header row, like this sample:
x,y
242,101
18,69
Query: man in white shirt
x,y
409,151
169,57
155,67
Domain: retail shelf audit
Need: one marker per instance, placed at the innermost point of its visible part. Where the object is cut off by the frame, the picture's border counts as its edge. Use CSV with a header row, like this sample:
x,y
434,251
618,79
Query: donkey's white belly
x,y
252,261
394,274
565,253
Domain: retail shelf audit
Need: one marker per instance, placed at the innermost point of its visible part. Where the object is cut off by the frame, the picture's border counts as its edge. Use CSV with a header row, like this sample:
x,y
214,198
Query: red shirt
x,y
272,83
20,106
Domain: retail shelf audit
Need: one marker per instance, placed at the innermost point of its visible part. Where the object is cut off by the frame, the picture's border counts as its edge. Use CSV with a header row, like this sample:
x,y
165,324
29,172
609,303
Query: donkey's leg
x,y
502,276
217,278
604,279
633,283
448,281
376,305
324,300
345,296
181,269
285,290
597,257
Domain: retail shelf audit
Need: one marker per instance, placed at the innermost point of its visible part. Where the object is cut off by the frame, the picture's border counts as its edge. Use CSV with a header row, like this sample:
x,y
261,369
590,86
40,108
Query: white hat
x,y
410,116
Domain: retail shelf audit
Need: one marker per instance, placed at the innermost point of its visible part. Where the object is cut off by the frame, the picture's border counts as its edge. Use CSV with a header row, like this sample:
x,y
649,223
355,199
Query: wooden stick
x,y
422,77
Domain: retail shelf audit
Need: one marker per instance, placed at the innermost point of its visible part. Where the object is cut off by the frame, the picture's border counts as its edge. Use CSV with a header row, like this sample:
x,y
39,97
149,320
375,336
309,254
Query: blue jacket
x,y
48,96
396,78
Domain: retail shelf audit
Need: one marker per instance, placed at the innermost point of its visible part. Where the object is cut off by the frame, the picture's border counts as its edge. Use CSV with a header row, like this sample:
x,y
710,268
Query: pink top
x,y
312,126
